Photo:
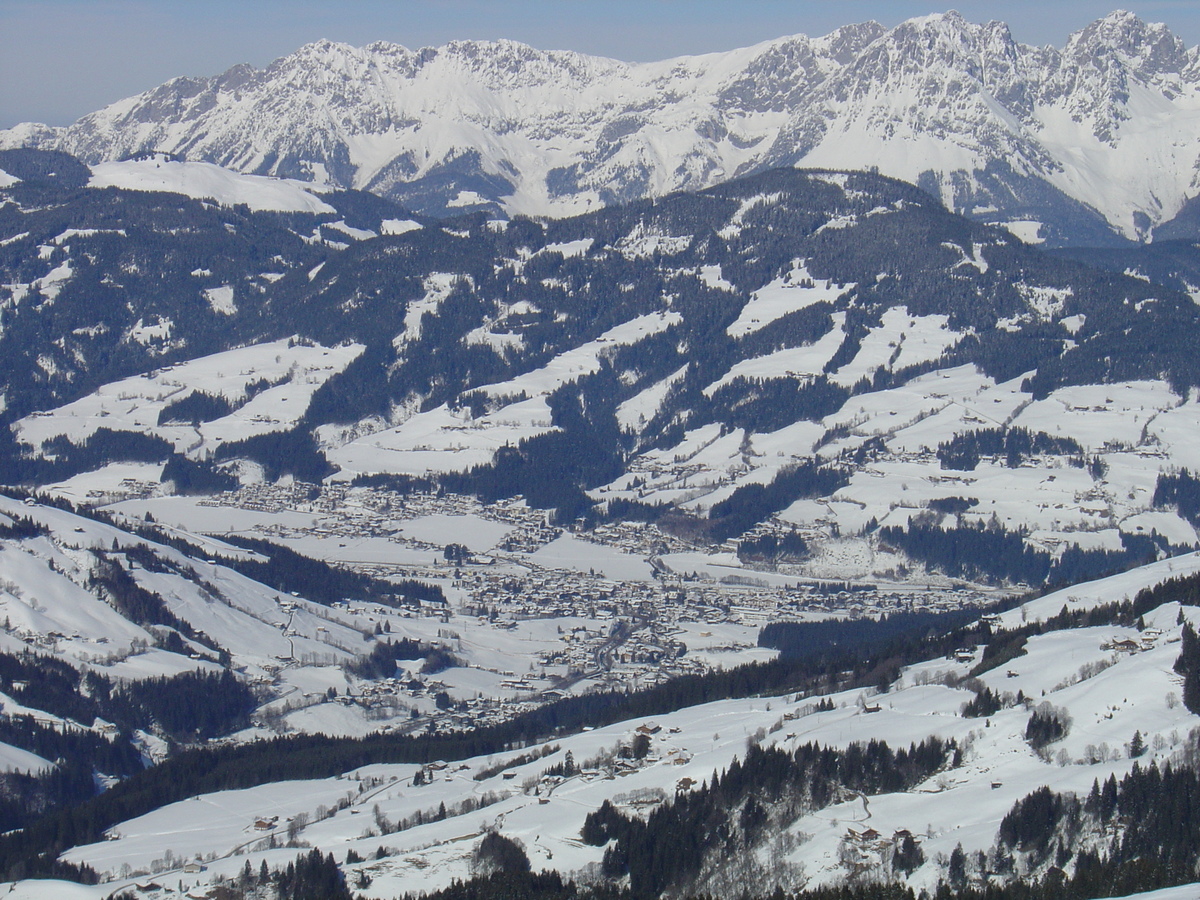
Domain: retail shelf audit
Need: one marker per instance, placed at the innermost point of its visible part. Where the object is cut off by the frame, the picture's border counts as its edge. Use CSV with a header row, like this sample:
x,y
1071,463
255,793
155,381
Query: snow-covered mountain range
x,y
426,505
1087,144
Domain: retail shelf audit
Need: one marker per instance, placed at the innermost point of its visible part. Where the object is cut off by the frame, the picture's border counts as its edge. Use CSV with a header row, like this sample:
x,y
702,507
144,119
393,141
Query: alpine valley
x,y
486,472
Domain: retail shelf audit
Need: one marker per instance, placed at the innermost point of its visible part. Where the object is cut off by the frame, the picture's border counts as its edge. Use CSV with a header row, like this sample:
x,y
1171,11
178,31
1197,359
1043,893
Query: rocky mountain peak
x,y
963,109
1145,49
843,44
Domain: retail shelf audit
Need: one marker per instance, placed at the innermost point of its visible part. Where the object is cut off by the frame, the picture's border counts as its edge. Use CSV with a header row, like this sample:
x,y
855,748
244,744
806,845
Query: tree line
x,y
769,789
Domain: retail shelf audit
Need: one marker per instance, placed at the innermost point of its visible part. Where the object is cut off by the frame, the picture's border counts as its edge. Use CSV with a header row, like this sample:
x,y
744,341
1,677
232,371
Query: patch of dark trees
x,y
76,756
773,549
834,637
726,817
53,167
60,458
1188,665
753,503
496,852
287,571
381,661
1181,490
546,885
195,408
986,702
185,708
989,552
553,470
763,405
1153,811
190,707
954,506
1045,726
20,528
193,476
1015,445
311,876
280,453
200,406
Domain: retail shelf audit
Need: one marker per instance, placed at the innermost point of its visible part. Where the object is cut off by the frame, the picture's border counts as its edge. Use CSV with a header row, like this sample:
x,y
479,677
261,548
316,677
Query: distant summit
x,y
1090,144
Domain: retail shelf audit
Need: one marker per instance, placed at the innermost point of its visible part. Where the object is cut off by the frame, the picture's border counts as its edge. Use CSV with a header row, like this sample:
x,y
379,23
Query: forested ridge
x,y
517,282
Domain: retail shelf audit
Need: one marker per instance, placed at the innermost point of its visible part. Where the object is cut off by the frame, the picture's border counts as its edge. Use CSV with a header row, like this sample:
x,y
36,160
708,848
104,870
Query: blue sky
x,y
60,59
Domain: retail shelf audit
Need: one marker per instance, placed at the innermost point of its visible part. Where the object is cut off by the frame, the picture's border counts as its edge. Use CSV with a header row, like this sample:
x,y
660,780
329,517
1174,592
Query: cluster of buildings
x,y
612,633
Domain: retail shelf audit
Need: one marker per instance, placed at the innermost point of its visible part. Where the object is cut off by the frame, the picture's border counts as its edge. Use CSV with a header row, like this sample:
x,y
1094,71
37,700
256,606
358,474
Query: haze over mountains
x,y
1092,143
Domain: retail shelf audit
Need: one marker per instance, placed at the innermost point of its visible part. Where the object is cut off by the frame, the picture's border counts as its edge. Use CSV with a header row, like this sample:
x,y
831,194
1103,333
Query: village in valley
x,y
533,611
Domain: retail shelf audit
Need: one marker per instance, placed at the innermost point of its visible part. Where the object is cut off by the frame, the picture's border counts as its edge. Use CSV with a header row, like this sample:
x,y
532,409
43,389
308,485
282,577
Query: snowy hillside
x,y
205,181
365,529
826,354
1071,145
1120,703
267,388
50,599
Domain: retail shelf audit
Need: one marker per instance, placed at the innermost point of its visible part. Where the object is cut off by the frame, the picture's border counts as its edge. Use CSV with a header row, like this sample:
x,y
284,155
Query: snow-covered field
x,y
453,440
204,181
282,374
1109,696
785,295
1128,433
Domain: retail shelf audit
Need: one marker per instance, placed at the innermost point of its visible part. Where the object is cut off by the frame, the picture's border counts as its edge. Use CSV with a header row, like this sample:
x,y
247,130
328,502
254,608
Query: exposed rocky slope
x,y
1077,145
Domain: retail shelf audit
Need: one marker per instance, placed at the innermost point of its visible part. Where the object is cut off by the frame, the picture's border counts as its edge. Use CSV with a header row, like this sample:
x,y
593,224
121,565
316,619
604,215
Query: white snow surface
x,y
794,291
221,299
644,406
42,591
45,599
900,340
584,359
1135,430
205,181
134,404
449,439
398,226
792,362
